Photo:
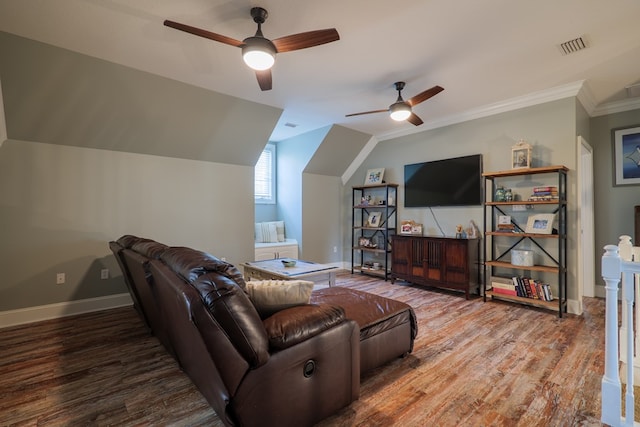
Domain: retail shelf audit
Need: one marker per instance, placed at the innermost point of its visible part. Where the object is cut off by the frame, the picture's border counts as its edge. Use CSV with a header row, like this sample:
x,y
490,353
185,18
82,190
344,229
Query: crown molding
x,y
535,98
616,107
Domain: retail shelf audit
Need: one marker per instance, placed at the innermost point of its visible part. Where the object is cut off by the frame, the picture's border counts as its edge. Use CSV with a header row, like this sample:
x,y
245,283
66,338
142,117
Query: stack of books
x,y
524,287
544,193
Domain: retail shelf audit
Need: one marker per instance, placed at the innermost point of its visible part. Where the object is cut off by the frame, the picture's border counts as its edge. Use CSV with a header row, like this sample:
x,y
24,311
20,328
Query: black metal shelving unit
x,y
554,262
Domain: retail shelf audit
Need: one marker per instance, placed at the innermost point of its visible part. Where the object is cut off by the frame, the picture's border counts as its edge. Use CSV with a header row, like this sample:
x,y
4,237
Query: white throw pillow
x,y
271,296
280,230
266,232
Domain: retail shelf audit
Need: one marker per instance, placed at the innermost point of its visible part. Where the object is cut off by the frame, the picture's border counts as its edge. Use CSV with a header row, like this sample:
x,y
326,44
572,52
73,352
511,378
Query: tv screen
x,y
448,182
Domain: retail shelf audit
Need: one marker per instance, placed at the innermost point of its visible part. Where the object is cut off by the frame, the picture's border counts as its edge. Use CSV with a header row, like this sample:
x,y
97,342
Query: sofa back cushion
x,y
225,297
191,264
128,240
149,248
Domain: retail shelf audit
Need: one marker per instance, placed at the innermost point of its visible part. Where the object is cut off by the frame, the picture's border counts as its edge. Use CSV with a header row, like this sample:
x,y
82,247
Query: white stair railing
x,y
617,266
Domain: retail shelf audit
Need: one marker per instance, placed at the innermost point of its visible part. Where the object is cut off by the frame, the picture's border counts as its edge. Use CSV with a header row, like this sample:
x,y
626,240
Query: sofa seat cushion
x,y
373,313
294,325
271,296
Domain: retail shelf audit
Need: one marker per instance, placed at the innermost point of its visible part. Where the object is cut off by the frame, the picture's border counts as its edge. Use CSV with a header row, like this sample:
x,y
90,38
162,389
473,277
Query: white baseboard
x,y
574,307
63,309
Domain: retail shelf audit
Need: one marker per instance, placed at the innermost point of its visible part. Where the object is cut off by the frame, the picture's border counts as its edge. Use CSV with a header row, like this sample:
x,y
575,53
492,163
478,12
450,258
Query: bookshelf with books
x,y
525,247
373,223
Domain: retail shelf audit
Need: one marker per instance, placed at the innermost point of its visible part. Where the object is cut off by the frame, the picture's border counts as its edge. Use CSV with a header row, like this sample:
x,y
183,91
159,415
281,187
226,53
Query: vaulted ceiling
x,y
483,53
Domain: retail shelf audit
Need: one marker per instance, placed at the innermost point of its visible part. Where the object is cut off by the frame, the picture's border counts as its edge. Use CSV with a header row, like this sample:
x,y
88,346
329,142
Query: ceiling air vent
x,y
572,46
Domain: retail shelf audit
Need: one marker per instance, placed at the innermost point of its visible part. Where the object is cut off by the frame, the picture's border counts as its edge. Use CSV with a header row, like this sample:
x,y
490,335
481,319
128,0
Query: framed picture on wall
x,y
626,156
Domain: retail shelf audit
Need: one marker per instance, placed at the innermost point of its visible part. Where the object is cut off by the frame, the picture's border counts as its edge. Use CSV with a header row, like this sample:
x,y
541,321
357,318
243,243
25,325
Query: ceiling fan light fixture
x,y
258,53
400,111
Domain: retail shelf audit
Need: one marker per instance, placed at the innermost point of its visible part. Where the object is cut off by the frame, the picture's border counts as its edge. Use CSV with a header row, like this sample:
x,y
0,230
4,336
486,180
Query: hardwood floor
x,y
474,364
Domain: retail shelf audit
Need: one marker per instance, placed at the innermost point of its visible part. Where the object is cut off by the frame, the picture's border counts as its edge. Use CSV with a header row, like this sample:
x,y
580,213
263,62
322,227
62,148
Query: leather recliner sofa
x,y
293,368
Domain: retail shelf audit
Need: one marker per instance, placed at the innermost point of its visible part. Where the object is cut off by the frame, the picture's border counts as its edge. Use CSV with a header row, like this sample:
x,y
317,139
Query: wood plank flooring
x,y
474,364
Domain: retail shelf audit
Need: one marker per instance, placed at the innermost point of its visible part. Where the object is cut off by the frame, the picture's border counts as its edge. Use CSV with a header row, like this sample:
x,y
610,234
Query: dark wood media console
x,y
441,262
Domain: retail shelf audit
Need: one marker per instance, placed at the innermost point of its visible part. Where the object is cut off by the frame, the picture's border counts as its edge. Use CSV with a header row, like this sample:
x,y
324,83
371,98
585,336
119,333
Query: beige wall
x,y
61,205
322,219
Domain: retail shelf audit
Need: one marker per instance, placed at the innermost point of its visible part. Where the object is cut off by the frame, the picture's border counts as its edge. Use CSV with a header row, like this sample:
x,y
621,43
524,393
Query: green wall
x,y
614,205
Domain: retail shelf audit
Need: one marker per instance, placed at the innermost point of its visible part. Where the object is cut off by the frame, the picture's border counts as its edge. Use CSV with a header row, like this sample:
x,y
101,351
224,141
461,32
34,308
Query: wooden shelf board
x,y
503,264
379,251
366,187
528,202
510,234
549,305
367,270
525,171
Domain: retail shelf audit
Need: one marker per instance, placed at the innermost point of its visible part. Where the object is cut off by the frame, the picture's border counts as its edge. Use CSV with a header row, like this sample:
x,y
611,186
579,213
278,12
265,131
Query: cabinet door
x,y
433,259
401,256
457,262
262,254
288,252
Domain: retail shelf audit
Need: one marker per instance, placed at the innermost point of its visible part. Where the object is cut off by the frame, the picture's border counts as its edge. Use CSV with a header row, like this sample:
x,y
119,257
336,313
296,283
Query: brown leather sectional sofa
x,y
293,368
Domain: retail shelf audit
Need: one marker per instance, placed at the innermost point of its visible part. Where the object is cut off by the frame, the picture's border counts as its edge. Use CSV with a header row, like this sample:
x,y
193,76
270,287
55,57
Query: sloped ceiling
x,y
57,96
339,147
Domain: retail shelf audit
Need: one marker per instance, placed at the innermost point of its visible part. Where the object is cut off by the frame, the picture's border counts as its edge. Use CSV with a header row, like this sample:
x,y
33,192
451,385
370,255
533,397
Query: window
x,y
265,176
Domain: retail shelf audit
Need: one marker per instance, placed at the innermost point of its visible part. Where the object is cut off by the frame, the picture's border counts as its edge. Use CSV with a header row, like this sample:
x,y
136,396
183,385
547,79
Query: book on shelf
x,y
500,285
545,188
505,291
525,287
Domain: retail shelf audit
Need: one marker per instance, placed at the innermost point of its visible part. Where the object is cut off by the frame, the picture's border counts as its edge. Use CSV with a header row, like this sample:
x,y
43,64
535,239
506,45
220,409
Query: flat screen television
x,y
448,182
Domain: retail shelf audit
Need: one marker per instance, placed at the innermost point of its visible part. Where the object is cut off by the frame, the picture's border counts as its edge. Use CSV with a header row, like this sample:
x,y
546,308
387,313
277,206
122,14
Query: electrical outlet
x,y
104,273
223,259
335,249
61,278
519,208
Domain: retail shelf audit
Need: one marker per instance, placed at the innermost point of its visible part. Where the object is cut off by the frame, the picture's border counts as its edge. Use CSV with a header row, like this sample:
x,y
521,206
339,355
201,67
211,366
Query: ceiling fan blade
x,y
415,120
204,33
264,79
367,112
423,96
305,40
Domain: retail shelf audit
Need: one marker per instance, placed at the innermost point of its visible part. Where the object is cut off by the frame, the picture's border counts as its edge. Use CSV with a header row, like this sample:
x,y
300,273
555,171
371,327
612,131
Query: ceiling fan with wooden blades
x,y
258,51
401,109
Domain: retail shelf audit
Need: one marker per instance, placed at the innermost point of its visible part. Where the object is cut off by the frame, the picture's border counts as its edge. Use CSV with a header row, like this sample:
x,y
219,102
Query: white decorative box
x,y
522,257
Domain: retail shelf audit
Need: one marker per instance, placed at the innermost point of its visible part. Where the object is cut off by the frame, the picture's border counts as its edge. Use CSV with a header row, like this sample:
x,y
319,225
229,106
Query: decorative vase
x,y
508,195
500,195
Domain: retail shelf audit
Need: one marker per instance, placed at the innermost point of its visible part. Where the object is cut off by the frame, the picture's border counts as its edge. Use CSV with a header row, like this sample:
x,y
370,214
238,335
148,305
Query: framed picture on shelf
x,y
374,176
374,219
521,155
504,223
540,224
626,155
410,227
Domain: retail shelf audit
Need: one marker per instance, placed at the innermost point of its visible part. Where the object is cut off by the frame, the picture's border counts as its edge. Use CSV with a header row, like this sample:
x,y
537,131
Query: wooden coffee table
x,y
303,270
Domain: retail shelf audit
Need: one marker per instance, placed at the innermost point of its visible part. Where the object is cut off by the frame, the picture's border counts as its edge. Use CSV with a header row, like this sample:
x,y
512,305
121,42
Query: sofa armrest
x,y
291,326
